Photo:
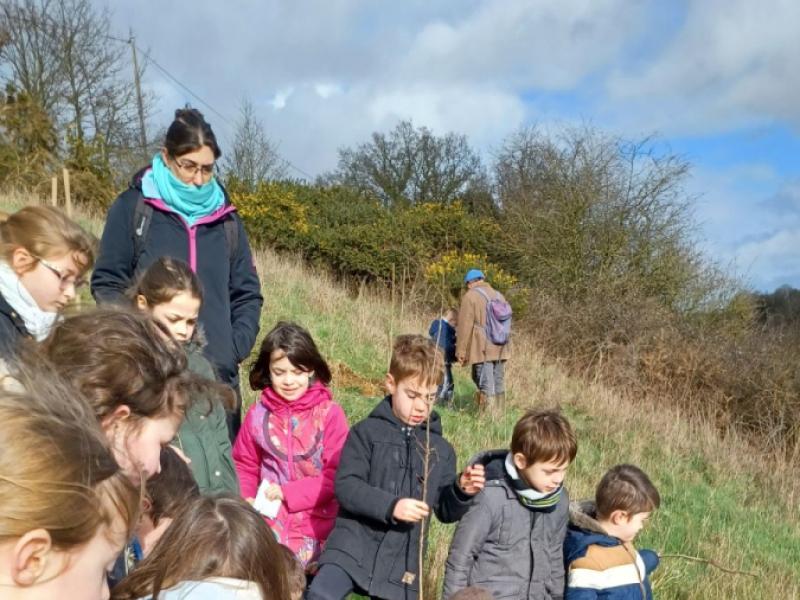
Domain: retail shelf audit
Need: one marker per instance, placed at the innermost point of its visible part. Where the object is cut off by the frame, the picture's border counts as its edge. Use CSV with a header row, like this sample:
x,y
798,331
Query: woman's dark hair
x,y
298,346
163,280
218,536
172,488
189,132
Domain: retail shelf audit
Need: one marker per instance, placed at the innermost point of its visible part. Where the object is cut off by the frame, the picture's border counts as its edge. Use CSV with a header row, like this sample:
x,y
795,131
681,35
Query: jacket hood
x,y
215,588
493,462
316,394
384,412
584,530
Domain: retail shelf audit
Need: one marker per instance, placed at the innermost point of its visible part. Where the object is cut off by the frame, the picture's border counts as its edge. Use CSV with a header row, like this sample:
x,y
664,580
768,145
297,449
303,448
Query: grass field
x,y
720,499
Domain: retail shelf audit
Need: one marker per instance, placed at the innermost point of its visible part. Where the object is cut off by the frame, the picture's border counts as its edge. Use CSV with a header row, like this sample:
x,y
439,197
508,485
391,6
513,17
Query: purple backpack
x,y
498,318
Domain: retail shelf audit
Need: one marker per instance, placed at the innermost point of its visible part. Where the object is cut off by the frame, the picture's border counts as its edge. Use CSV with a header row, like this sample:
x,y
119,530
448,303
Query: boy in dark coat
x,y
443,332
374,546
601,560
510,542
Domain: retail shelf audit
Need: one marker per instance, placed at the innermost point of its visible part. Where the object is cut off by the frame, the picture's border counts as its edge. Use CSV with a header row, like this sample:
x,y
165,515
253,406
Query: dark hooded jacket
x,y
512,551
382,462
601,567
12,329
232,294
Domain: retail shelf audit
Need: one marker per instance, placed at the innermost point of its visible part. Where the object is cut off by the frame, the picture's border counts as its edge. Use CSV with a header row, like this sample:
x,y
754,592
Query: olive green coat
x,y
203,437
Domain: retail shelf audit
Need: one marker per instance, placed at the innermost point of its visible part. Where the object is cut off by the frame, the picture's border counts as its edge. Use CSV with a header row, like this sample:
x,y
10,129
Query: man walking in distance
x,y
473,347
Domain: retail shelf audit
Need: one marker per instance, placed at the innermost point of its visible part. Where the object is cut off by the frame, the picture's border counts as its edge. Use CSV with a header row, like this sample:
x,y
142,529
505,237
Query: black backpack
x,y
143,216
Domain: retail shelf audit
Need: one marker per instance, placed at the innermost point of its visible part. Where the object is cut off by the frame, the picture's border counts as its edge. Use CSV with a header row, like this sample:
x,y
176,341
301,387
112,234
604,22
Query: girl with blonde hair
x,y
44,257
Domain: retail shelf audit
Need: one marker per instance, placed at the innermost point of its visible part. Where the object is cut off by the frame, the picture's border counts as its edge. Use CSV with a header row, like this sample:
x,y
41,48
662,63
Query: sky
x,y
717,81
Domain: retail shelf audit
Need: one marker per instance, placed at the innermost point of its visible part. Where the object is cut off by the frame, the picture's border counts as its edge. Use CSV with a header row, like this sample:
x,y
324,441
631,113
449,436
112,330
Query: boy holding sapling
x,y
601,560
395,467
511,540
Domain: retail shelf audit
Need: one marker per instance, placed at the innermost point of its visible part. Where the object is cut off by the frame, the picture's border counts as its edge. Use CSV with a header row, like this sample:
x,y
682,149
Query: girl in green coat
x,y
171,293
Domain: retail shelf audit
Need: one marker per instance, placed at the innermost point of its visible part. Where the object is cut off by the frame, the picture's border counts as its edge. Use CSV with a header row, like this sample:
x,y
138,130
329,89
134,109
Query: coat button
x,y
217,473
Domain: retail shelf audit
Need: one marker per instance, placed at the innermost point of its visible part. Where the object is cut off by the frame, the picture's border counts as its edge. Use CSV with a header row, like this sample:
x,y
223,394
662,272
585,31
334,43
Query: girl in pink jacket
x,y
291,439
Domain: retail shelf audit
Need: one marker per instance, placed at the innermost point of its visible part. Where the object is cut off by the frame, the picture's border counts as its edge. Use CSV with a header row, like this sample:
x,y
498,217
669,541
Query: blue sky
x,y
718,81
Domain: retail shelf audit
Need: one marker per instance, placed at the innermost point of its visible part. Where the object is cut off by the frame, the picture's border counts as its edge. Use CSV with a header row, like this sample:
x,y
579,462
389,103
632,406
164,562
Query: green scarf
x,y
529,497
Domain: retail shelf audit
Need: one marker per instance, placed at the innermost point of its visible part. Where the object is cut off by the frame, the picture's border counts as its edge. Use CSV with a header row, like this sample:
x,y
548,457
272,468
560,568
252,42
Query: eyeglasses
x,y
64,280
191,168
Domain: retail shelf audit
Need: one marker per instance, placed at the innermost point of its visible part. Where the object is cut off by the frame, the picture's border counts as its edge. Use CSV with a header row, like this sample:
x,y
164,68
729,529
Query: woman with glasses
x,y
44,257
176,207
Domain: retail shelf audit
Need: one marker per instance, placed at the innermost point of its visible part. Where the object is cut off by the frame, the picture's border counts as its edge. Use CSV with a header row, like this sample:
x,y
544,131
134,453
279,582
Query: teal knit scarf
x,y
192,202
528,496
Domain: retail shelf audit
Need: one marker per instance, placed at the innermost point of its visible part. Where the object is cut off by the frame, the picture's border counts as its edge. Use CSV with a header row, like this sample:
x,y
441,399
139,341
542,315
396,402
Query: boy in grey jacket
x,y
510,542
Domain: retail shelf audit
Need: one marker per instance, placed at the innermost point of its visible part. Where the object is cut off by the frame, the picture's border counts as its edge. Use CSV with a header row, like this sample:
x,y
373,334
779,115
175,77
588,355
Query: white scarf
x,y
37,322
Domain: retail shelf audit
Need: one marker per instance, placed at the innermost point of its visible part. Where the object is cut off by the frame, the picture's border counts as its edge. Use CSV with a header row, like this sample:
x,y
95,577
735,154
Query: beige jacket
x,y
471,344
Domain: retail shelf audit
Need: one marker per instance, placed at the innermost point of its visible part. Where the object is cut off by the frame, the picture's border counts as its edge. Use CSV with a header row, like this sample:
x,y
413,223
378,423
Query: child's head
x,y
542,446
134,379
415,370
625,497
211,537
49,253
67,510
451,316
172,294
295,575
167,493
287,360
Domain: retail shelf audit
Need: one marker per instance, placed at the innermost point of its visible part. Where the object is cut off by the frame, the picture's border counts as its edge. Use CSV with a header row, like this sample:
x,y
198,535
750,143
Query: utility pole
x,y
142,134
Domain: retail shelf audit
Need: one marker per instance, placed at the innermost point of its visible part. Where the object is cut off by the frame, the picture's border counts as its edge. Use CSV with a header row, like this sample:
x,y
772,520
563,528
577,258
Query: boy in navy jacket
x,y
602,561
443,332
374,546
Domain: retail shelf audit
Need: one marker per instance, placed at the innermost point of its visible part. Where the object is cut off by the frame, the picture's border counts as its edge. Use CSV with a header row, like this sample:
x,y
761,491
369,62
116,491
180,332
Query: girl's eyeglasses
x,y
64,280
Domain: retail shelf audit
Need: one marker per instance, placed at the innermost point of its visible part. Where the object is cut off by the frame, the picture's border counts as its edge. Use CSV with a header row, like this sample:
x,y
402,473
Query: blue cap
x,y
473,274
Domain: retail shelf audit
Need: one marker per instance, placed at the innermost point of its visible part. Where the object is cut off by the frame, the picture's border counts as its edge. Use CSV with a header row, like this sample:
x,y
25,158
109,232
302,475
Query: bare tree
x,y
60,53
253,158
409,166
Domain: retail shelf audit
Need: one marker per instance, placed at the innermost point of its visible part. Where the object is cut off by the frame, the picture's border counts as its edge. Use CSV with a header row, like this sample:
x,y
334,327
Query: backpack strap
x,y
231,237
142,217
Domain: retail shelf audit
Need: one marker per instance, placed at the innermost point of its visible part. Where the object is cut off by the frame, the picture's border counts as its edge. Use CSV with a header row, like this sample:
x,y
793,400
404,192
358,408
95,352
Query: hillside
x,y
720,500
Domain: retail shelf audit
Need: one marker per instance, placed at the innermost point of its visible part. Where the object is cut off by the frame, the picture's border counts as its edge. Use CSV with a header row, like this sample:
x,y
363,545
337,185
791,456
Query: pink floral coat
x,y
296,445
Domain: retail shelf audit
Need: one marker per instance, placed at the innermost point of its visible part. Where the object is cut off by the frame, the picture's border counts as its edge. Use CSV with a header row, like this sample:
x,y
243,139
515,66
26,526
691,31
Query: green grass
x,y
719,499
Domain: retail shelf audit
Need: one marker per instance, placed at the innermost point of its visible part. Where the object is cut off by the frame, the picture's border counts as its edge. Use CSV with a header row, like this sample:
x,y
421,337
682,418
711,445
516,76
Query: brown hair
x,y
542,436
169,490
56,471
472,593
189,132
298,346
211,537
626,488
118,357
46,232
295,574
416,356
163,280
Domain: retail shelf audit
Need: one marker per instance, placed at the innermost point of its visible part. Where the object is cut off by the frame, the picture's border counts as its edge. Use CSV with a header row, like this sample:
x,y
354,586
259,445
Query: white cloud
x,y
734,63
278,101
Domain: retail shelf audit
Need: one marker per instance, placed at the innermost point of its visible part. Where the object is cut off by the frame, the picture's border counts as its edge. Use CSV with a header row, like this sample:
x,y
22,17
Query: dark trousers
x,y
445,392
234,417
330,583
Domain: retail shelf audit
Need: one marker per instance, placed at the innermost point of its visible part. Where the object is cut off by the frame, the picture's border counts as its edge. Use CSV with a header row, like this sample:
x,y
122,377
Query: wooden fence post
x,y
54,191
67,197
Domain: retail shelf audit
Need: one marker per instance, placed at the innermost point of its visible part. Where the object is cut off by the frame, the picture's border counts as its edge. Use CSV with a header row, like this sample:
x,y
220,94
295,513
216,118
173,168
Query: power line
x,y
230,123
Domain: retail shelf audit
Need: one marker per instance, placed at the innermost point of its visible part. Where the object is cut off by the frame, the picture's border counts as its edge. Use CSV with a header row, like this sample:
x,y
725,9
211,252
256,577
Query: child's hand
x,y
410,510
274,492
472,479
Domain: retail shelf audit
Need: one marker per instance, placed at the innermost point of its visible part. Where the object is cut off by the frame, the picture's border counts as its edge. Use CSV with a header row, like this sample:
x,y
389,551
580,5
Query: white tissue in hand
x,y
268,508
